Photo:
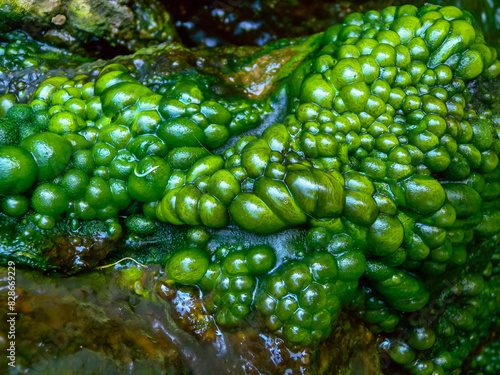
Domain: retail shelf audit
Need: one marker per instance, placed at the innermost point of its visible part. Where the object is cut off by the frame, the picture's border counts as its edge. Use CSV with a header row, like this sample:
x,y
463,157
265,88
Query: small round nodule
x,y
188,265
15,205
49,199
18,170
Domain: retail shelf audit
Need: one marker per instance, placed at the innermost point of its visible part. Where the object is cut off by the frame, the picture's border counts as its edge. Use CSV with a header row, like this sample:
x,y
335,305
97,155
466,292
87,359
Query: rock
x,y
78,24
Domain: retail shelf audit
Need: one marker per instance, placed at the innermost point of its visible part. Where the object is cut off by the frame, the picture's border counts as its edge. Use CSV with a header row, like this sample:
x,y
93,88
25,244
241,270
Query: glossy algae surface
x,y
386,162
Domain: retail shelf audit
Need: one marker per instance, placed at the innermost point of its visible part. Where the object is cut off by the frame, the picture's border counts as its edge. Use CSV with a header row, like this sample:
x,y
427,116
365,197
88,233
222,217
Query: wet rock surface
x,y
128,320
100,28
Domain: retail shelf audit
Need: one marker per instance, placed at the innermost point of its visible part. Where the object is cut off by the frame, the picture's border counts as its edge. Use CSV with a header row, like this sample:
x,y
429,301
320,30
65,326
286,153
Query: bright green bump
x,y
470,65
345,72
444,75
48,87
348,50
433,105
255,157
120,196
252,214
74,183
316,192
373,167
187,92
406,10
147,145
51,153
180,132
46,222
349,31
84,211
88,90
212,212
450,12
184,157
187,203
78,142
260,259
145,122
317,238
296,277
313,299
436,34
115,135
286,307
316,90
215,135
40,106
323,63
406,27
6,102
83,160
188,266
224,186
360,208
384,55
277,197
493,70
422,338
149,102
148,181
355,96
103,154
112,68
465,200
418,50
65,94
388,37
235,264
385,235
15,205
215,113
112,78
49,199
482,134
375,106
381,89
401,353
93,108
165,210
278,138
98,193
370,68
366,46
323,267
351,265
171,108
120,96
18,170
462,36
54,110
205,166
331,35
437,159
424,194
